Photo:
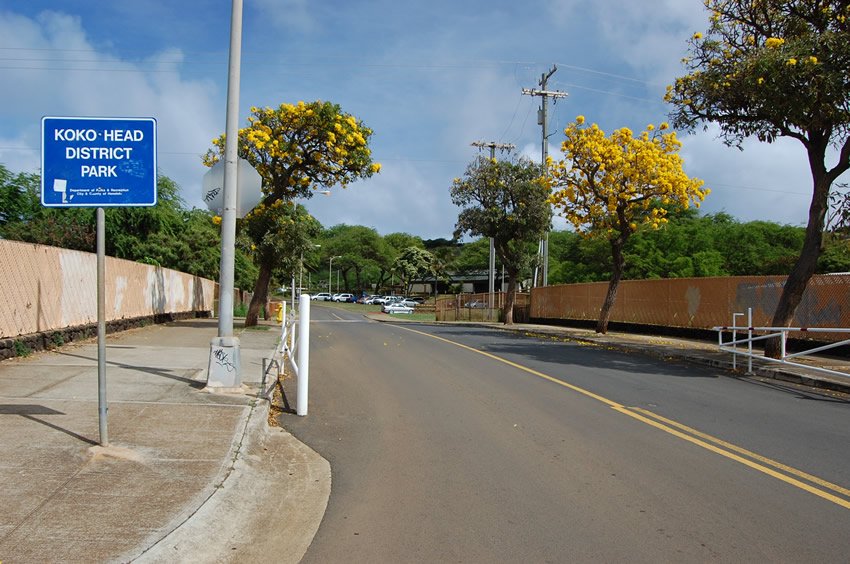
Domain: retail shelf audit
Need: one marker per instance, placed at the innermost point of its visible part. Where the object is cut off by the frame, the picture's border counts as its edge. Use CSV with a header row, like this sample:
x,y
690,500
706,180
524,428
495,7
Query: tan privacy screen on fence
x,y
697,303
47,288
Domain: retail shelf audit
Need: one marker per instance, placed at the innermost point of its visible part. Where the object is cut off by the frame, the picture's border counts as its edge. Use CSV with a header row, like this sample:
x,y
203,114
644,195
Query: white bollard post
x,y
750,337
303,355
282,325
292,331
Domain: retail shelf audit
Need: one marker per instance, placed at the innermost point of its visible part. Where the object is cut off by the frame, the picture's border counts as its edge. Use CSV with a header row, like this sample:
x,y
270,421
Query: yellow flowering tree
x,y
297,149
769,69
608,186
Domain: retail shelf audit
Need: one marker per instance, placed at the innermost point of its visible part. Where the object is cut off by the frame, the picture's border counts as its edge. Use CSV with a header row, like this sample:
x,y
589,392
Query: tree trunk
x,y
510,299
616,276
804,268
261,290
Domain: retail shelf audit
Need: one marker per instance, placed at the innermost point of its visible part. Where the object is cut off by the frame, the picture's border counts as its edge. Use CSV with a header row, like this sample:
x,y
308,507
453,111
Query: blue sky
x,y
428,77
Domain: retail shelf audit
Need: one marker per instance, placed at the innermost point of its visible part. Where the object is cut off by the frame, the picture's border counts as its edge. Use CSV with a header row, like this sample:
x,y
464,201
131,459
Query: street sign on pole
x,y
98,162
249,188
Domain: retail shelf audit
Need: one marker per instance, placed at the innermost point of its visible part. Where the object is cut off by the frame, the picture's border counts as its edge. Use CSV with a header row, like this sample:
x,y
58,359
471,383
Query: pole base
x,y
225,365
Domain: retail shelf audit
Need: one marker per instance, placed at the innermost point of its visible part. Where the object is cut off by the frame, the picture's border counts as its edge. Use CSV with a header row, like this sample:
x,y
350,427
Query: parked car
x,y
322,297
343,298
396,307
475,304
369,300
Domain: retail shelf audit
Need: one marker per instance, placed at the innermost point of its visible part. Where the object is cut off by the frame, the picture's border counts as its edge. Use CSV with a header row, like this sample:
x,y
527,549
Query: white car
x,y
396,307
321,297
343,298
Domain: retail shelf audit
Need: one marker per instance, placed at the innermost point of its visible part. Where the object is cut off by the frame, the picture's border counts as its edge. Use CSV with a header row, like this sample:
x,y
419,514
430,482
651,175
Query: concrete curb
x,y
266,507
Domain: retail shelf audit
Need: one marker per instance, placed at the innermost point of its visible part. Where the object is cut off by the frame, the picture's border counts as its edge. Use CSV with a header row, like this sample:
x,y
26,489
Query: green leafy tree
x,y
759,247
147,234
19,195
574,258
770,69
166,234
361,250
298,149
413,263
23,218
505,200
278,235
395,243
445,254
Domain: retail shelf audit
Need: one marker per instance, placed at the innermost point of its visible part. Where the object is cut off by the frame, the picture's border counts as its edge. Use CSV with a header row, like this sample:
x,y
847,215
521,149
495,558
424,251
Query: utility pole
x,y
542,120
491,277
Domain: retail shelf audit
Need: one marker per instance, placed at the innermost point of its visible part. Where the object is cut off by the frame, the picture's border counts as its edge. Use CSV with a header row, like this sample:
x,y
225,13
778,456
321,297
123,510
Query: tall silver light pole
x,y
225,360
330,273
301,270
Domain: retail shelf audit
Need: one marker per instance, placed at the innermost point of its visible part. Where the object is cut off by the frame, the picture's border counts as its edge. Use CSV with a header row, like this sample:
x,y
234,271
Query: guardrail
x,y
765,333
293,352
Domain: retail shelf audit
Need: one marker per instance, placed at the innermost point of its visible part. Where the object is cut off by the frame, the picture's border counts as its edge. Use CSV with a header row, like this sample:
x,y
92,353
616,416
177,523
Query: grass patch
x,y
414,316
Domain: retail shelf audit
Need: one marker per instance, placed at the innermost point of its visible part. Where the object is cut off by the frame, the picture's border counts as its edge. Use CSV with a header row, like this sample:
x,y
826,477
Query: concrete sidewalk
x,y
189,475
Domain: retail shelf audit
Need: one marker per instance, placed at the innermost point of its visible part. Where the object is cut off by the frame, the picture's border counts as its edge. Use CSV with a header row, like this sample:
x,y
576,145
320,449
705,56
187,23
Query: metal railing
x,y
293,352
753,334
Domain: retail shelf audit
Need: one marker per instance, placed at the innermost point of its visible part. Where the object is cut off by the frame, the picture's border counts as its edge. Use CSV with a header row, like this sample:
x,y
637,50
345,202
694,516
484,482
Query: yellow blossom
x,y
774,42
791,62
697,35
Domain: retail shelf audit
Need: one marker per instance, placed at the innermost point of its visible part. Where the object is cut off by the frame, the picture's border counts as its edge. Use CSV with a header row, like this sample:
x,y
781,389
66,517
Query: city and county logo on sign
x,y
98,162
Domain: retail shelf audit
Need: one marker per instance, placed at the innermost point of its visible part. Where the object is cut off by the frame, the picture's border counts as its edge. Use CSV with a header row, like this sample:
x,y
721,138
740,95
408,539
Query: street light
x,y
301,270
330,272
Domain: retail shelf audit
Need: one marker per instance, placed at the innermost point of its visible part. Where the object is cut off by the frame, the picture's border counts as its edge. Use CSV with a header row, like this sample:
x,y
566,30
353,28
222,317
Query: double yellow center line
x,y
807,482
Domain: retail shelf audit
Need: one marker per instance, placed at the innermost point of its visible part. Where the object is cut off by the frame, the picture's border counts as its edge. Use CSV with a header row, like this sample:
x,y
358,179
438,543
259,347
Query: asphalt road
x,y
544,451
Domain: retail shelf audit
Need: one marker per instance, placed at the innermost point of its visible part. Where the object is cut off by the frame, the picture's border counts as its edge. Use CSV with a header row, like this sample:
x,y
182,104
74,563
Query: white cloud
x,y
60,73
764,181
428,78
287,14
398,199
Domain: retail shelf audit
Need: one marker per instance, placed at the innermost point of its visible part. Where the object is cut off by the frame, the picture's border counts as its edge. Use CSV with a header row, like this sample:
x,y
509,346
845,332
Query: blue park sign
x,y
98,162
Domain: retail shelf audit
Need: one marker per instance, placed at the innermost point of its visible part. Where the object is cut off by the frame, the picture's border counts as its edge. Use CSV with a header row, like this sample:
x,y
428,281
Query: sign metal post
x,y
98,162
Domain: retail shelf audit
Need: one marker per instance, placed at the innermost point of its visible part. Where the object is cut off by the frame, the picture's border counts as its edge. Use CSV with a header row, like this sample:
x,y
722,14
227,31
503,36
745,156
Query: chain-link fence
x,y
477,307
